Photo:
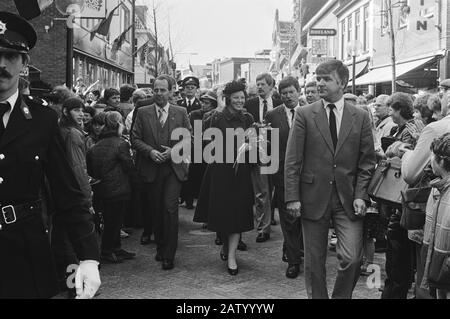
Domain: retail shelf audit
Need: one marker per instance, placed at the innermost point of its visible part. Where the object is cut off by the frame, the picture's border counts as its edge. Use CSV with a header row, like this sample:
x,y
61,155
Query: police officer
x,y
30,146
190,86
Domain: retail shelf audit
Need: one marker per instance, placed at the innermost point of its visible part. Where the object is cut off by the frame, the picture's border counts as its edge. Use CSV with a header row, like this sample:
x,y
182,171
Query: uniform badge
x,y
26,111
2,27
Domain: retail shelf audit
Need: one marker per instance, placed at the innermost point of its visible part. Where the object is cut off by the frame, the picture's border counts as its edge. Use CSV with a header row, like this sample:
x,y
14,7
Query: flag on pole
x,y
103,26
117,45
30,9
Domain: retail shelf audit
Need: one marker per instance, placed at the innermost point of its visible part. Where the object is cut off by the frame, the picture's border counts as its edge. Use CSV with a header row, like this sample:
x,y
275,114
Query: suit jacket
x,y
145,139
30,148
252,107
312,165
278,119
195,106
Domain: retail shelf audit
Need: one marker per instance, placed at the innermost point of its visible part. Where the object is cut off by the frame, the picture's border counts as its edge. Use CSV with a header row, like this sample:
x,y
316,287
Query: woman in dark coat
x,y
226,196
191,188
110,161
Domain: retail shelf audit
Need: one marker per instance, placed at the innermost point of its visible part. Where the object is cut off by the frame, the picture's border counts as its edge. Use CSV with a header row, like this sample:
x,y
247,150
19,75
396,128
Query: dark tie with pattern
x,y
264,110
292,116
161,116
332,123
4,107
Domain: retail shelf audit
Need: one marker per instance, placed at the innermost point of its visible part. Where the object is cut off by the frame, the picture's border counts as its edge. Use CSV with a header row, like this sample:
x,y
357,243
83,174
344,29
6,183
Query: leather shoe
x,y
145,240
218,241
167,264
242,246
125,254
111,258
262,237
284,257
223,256
233,272
158,257
292,271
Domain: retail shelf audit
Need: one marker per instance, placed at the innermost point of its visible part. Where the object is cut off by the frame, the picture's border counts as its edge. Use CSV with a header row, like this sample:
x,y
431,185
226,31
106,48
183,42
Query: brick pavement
x,y
199,272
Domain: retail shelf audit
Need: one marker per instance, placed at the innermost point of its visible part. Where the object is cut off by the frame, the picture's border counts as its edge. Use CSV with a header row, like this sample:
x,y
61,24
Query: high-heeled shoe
x,y
233,272
223,256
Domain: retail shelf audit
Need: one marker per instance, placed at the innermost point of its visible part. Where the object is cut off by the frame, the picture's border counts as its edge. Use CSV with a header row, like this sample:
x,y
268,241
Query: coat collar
x,y
17,124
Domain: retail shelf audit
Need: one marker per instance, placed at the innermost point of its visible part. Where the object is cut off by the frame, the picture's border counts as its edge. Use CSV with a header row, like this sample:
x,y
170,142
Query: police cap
x,y
191,80
16,34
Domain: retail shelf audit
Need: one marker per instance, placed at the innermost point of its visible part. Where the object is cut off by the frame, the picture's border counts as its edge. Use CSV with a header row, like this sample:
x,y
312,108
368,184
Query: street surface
x,y
200,274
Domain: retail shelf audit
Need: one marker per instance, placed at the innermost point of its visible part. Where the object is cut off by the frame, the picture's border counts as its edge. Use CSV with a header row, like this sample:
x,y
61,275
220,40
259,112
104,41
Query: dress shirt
x,y
289,114
12,102
261,106
165,113
338,112
191,100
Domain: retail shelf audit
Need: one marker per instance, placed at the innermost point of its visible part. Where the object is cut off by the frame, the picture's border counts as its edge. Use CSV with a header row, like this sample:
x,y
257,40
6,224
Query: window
x,y
403,20
384,17
126,22
357,25
349,29
343,42
366,29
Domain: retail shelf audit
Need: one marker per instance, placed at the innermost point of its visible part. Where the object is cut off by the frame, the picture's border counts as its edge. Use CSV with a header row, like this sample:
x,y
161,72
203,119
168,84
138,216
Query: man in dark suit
x,y
330,160
152,139
258,108
282,118
190,102
31,147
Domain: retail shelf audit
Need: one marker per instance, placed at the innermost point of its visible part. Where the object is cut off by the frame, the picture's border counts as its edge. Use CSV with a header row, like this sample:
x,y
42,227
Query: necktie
x,y
292,117
4,107
332,123
161,116
264,110
189,106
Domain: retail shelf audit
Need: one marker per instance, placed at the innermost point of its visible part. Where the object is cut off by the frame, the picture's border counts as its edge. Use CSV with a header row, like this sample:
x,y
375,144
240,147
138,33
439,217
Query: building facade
x,y
363,38
227,69
93,55
254,67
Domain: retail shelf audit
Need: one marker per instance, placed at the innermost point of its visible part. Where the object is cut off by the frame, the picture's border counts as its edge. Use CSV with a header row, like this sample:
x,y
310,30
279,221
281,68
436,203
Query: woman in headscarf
x,y
226,196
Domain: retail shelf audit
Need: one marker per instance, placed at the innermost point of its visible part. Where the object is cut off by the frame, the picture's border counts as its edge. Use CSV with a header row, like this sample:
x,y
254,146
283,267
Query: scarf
x,y
441,185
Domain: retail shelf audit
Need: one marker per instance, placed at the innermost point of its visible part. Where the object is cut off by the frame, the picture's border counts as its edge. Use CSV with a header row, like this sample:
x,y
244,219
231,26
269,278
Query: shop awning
x,y
359,68
384,74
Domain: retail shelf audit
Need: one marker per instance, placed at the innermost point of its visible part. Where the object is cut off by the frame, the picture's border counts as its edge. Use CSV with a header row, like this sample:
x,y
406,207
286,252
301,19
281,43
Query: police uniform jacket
x,y
30,147
195,106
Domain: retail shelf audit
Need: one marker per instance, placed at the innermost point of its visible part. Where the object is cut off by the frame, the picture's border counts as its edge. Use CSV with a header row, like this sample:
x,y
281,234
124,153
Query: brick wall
x,y
49,54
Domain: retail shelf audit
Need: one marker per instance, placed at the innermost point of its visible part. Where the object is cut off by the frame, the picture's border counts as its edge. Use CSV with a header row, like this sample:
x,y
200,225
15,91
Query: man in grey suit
x,y
282,118
151,134
330,160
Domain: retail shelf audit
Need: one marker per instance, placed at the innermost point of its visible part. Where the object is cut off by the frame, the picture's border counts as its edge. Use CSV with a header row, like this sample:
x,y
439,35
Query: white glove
x,y
87,279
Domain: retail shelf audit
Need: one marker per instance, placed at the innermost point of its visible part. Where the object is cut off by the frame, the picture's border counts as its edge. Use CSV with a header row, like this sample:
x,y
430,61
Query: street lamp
x,y
354,48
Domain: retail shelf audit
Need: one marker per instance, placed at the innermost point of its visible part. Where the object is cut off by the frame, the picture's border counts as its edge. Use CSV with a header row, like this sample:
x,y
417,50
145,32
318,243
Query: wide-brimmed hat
x,y
210,95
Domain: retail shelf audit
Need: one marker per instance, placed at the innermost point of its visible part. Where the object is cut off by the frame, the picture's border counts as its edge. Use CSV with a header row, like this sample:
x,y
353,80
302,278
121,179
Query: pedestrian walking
x,y
226,196
330,159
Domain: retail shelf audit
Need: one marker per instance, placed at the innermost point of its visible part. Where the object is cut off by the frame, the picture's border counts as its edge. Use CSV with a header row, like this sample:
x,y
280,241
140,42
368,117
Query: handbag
x,y
414,203
387,183
387,141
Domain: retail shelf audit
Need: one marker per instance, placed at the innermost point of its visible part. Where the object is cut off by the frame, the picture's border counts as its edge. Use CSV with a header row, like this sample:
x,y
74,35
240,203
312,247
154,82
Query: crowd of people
x,y
108,161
